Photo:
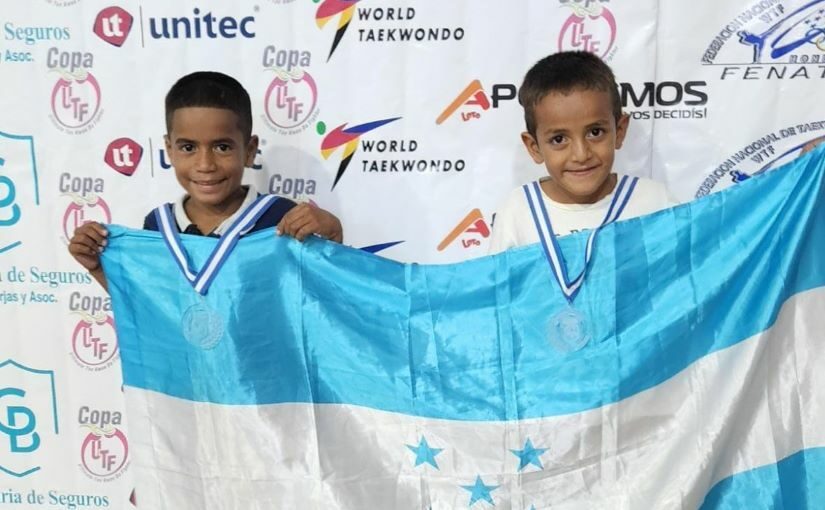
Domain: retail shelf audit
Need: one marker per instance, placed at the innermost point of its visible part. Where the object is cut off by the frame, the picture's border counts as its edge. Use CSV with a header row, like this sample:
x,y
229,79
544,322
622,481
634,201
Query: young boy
x,y
575,125
209,141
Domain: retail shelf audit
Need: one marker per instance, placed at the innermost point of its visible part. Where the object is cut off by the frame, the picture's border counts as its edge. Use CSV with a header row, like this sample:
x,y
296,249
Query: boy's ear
x,y
621,129
251,150
532,147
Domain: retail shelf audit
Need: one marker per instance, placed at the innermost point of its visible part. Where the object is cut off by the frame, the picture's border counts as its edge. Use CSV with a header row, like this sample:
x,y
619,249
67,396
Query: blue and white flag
x,y
316,376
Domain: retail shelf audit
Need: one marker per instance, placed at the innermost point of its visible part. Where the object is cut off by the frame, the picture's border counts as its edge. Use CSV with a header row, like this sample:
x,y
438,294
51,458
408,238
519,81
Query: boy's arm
x,y
306,219
86,245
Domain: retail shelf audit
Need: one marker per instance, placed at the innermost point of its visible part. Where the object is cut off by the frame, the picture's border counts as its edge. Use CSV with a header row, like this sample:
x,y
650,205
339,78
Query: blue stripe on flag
x,y
796,482
318,322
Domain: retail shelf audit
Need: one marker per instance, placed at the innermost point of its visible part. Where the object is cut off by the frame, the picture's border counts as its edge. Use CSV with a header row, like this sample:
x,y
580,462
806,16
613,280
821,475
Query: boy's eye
x,y
556,140
223,147
596,131
186,147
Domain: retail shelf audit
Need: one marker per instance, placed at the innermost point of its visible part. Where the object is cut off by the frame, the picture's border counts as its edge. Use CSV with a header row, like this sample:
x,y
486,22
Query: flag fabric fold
x,y
313,375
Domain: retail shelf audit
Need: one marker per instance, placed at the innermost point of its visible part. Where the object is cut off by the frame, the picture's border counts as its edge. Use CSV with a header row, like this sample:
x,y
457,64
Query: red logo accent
x,y
473,223
113,25
123,155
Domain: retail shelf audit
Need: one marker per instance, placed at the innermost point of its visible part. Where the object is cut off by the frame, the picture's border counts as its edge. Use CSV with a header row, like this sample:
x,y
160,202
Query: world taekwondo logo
x,y
348,138
330,9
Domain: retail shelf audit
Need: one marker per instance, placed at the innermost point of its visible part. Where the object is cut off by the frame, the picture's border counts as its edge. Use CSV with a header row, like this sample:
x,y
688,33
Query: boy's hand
x,y
305,219
87,243
812,144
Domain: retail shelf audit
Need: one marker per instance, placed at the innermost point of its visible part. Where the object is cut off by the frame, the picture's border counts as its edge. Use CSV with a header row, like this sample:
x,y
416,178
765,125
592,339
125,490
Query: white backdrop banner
x,y
718,90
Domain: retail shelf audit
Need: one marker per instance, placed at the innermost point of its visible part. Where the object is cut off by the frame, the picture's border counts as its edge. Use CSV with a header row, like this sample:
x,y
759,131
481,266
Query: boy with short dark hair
x,y
573,114
209,141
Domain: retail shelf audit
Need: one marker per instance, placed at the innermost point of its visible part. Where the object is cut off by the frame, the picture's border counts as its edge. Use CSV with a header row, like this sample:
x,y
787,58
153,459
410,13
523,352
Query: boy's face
x,y
207,149
576,139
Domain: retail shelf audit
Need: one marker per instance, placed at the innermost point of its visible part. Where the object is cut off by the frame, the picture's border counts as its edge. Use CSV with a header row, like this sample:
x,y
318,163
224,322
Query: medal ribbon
x,y
201,280
571,287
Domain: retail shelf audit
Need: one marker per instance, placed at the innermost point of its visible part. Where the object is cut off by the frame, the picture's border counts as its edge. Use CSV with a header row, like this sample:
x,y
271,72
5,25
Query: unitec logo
x,y
113,25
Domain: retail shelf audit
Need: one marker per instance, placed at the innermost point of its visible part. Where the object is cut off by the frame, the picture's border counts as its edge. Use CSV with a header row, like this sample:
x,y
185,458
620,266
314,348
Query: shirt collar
x,y
184,222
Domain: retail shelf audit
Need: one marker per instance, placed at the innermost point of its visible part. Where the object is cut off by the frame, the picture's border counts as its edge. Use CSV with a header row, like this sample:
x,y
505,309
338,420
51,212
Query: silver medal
x,y
568,330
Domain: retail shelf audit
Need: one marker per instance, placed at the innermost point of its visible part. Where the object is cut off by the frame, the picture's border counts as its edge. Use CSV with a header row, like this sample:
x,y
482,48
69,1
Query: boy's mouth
x,y
208,184
582,172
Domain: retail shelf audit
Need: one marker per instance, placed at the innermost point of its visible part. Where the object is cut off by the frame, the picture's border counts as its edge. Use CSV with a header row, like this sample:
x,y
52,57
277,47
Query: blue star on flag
x,y
529,455
424,453
479,491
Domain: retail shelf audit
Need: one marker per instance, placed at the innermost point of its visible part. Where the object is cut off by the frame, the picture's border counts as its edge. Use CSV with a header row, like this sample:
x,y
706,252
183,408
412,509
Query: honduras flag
x,y
316,376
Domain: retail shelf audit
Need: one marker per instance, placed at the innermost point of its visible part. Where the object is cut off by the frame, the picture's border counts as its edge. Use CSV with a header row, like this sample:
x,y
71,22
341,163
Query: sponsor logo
x,y
473,99
771,40
19,188
292,95
94,343
123,156
669,100
761,155
348,138
591,27
104,450
201,25
76,102
28,417
86,203
470,231
381,25
113,25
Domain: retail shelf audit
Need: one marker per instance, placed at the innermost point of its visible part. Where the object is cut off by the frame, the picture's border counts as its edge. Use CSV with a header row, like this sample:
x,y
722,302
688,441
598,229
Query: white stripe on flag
x,y
663,448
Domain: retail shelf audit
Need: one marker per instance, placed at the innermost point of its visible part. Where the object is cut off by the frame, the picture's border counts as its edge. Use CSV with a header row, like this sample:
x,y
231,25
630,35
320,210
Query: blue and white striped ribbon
x,y
201,280
570,287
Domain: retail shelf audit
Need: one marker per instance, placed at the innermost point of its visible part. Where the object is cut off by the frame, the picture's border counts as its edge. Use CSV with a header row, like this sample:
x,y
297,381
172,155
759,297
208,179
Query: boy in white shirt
x,y
575,124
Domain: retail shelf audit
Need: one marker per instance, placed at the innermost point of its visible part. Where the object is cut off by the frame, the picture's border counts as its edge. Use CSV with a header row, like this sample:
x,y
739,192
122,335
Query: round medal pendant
x,y
569,330
202,326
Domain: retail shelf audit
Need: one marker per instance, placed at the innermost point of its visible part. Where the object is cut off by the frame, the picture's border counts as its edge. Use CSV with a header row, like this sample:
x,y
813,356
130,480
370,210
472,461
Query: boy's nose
x,y
206,162
581,151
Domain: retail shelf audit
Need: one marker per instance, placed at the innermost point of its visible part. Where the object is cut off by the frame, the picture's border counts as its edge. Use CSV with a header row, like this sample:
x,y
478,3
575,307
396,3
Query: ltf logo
x,y
104,453
28,408
94,343
113,25
589,28
123,155
75,99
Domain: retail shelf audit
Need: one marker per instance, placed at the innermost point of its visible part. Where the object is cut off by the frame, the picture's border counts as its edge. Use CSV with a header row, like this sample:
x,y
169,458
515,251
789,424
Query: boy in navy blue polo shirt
x,y
209,141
